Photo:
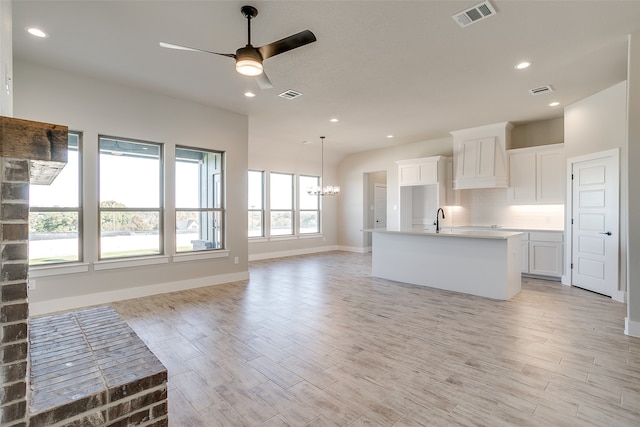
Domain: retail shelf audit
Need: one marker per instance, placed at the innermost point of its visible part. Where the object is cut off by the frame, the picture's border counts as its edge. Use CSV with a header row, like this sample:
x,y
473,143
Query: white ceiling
x,y
381,67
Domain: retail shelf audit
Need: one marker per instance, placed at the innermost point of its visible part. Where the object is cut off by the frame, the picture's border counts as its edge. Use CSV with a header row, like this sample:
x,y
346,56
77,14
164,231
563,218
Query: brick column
x,y
14,308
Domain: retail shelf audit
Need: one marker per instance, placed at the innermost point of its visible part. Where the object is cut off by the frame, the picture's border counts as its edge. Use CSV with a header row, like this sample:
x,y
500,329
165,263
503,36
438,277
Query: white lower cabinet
x,y
544,253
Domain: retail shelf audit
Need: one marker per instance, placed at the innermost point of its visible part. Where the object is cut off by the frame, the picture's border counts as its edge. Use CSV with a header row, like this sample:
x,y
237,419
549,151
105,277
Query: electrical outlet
x,y
236,260
31,284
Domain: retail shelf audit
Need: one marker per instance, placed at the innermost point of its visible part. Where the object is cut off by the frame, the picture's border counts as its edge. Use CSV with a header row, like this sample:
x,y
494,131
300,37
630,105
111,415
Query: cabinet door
x,y
429,173
550,176
466,159
522,173
409,174
545,258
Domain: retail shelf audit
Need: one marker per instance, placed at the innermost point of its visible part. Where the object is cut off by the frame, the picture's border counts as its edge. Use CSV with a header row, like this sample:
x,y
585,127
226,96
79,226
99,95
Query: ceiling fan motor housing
x,y
249,61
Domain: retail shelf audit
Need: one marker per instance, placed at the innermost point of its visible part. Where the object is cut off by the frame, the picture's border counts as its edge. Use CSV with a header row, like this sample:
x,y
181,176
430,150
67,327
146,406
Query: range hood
x,y
480,156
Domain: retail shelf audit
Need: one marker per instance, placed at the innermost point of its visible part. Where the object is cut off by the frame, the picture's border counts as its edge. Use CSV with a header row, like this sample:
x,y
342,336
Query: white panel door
x,y
380,206
595,225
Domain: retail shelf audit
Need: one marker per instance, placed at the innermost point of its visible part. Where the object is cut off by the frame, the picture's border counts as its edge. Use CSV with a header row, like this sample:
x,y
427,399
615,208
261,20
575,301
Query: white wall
x,y
633,143
97,107
599,123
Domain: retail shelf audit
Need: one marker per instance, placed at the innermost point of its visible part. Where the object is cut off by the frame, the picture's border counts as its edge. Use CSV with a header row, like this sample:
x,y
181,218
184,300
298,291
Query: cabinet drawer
x,y
546,236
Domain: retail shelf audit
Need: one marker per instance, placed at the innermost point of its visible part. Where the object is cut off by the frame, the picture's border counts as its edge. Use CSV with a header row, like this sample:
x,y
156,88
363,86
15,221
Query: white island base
x,y
480,263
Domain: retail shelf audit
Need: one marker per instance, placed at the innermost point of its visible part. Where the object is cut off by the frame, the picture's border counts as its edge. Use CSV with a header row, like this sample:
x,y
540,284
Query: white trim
x,y
282,238
310,236
356,249
258,240
631,327
196,256
620,296
57,270
293,252
130,262
61,304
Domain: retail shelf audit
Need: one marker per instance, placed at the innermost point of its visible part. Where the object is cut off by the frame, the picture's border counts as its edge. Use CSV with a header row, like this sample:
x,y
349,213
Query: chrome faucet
x,y
438,219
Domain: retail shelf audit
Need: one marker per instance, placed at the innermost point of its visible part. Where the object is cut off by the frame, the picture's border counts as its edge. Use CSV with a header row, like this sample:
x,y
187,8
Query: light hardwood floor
x,y
315,340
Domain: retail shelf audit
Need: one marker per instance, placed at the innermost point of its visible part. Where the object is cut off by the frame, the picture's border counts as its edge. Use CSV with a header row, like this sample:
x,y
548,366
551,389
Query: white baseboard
x,y
620,296
70,303
293,252
631,328
357,249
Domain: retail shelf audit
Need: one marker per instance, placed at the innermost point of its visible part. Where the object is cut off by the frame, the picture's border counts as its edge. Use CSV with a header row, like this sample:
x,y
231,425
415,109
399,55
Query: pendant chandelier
x,y
322,190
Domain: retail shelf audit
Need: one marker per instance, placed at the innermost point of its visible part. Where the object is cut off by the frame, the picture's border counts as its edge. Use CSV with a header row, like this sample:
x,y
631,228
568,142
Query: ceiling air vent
x,y
474,14
541,89
290,94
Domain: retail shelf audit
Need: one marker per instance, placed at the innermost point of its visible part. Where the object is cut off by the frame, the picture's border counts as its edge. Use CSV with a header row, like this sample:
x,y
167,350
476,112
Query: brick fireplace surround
x,y
80,368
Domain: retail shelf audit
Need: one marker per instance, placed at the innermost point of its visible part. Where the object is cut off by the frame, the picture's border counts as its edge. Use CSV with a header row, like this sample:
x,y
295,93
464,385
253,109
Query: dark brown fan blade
x,y
286,44
263,81
193,49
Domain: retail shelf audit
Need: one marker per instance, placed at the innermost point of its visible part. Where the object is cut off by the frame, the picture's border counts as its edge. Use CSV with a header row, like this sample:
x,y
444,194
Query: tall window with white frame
x,y
200,210
130,201
55,213
256,204
309,205
281,207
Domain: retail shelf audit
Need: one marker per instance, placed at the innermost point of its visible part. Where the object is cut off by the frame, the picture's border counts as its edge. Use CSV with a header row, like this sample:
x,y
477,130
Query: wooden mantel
x,y
45,145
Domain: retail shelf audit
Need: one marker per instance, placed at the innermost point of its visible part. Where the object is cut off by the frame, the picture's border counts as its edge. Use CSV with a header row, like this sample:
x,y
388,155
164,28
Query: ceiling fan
x,y
249,59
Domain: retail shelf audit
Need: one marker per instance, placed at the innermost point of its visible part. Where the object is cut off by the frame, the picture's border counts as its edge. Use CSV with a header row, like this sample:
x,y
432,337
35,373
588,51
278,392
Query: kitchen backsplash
x,y
486,207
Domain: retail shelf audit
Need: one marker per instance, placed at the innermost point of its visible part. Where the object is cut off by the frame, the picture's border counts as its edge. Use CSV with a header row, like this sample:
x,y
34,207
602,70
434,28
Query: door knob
x,y
608,233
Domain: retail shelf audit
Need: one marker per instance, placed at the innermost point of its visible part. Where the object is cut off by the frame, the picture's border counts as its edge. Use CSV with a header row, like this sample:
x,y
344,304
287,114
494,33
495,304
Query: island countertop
x,y
449,232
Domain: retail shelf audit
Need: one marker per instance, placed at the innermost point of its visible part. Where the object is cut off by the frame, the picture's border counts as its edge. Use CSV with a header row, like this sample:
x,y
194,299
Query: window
x,y
256,204
130,209
281,204
199,200
55,214
309,205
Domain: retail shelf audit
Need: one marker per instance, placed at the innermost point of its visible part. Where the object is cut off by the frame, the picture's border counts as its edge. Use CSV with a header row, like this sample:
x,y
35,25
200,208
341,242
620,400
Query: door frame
x,y
567,278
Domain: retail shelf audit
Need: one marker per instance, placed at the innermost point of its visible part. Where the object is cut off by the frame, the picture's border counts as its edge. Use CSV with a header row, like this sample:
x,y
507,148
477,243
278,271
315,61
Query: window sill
x,y
131,262
196,256
281,238
57,270
258,239
311,236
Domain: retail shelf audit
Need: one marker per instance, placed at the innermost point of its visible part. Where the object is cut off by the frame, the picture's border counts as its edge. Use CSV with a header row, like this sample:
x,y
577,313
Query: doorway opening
x,y
375,203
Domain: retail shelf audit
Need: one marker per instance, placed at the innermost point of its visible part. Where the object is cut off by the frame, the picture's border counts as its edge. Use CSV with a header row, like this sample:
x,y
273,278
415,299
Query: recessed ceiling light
x,y
389,136
523,65
554,104
36,32
249,94
334,120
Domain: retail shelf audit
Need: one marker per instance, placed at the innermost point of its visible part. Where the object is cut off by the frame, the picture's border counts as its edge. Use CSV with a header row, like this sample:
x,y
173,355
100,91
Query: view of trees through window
x,y
130,198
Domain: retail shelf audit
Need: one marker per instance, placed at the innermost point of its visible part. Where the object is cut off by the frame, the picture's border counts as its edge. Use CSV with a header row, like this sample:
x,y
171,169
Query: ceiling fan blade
x,y
300,39
193,49
263,81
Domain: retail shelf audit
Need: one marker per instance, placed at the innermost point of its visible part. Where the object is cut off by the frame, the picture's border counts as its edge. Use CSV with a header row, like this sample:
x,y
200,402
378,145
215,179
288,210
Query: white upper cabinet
x,y
422,171
537,175
480,157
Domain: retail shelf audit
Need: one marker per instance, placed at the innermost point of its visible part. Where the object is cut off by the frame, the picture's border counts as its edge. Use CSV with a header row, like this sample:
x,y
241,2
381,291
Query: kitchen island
x,y
484,263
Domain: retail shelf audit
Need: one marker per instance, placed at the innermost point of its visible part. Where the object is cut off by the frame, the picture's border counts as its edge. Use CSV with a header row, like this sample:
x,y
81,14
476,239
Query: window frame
x,y
318,210
222,197
78,210
262,210
291,211
160,209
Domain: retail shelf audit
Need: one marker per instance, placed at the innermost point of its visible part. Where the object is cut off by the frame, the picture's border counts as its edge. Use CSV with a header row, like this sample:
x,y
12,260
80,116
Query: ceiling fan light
x,y
248,61
249,67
